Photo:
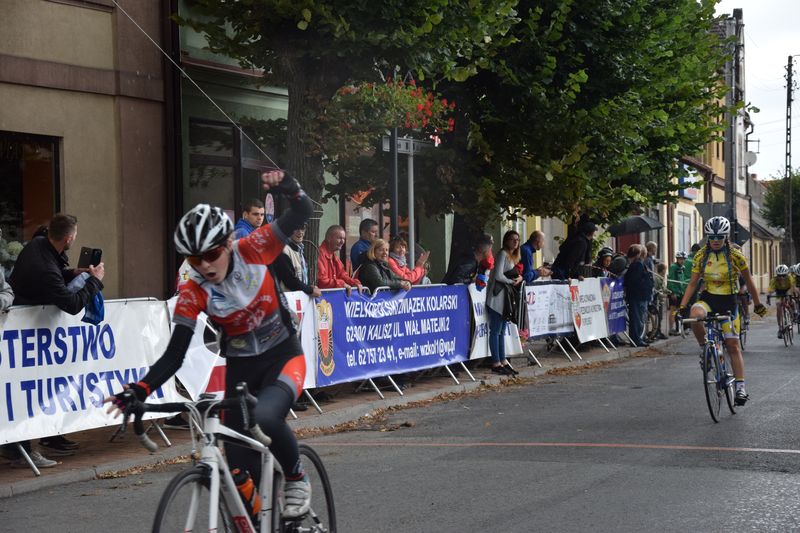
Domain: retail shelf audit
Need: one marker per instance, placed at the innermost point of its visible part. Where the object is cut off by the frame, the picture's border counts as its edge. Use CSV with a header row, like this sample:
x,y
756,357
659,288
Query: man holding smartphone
x,y
41,276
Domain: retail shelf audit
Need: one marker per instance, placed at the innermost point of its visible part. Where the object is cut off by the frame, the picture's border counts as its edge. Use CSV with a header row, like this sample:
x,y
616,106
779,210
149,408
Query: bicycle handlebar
x,y
716,318
243,400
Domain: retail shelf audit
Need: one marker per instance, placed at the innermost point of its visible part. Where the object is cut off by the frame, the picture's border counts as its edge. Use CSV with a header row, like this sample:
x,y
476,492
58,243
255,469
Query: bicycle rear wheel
x,y
743,336
184,505
322,516
710,374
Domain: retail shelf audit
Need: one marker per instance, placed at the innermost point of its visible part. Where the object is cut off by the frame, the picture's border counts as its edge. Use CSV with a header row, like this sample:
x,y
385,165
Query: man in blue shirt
x,y
368,230
252,218
534,243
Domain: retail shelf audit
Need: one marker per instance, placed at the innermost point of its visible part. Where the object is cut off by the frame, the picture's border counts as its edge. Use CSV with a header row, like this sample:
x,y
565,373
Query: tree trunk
x,y
308,91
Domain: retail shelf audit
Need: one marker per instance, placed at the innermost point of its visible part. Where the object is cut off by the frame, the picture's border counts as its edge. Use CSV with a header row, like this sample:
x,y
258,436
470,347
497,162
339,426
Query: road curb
x,y
326,420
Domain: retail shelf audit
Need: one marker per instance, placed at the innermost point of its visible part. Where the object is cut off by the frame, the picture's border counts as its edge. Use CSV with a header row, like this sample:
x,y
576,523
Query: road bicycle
x,y
655,311
718,379
786,331
205,498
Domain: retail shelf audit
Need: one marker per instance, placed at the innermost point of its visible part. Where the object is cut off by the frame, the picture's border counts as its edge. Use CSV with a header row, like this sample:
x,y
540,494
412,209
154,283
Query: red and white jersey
x,y
246,302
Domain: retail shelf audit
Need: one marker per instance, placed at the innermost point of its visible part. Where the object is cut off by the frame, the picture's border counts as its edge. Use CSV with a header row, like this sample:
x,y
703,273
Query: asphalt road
x,y
627,447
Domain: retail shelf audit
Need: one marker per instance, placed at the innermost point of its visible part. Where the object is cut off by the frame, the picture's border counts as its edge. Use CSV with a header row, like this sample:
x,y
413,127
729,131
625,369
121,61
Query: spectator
x,y
252,218
368,231
375,271
638,293
603,263
330,270
472,266
531,246
618,266
399,264
676,286
6,293
40,277
290,267
574,253
496,302
650,261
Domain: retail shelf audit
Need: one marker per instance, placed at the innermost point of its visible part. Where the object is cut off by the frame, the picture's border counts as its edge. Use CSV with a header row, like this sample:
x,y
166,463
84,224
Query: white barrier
x,y
56,370
480,335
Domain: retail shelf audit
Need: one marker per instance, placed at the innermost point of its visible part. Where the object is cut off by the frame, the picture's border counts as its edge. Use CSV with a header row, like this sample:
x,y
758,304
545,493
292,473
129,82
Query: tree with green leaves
x,y
314,47
775,208
586,111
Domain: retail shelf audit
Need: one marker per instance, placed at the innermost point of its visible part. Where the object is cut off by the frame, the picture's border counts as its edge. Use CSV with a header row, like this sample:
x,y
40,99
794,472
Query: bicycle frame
x,y
221,478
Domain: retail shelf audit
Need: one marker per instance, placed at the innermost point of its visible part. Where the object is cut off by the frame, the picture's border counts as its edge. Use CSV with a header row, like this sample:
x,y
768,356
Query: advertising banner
x,y
588,312
56,370
614,303
393,332
302,305
549,310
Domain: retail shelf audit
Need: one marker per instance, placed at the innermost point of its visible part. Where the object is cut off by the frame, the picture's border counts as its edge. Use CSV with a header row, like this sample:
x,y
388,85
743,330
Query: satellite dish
x,y
750,158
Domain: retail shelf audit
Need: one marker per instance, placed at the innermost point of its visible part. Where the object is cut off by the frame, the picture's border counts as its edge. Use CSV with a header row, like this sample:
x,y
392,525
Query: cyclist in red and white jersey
x,y
230,282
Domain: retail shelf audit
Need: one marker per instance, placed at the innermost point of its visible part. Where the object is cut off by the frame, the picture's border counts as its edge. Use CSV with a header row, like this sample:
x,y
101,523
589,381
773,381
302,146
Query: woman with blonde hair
x,y
374,271
504,277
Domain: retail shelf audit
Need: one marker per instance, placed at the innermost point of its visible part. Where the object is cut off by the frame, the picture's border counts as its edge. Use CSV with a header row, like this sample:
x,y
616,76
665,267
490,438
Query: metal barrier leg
x,y
377,389
573,348
161,431
313,401
558,343
467,371
116,433
603,345
452,375
400,392
28,460
628,337
608,340
532,356
294,415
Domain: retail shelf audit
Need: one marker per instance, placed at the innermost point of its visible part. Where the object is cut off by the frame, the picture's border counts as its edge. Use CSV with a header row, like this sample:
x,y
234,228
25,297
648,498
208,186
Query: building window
x,y
684,240
223,171
28,189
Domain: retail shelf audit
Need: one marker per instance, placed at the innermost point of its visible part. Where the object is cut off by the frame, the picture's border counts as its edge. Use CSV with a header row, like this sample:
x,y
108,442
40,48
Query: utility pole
x,y
788,168
732,29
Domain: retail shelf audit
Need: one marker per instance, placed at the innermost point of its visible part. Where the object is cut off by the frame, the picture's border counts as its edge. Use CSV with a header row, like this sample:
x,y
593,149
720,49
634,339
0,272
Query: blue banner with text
x,y
393,332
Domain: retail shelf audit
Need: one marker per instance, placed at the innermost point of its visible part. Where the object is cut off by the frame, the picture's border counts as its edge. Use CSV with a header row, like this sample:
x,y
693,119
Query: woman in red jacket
x,y
399,264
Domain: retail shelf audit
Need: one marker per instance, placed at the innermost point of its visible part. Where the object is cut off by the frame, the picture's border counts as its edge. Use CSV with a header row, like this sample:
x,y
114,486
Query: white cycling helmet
x,y
201,229
680,255
718,226
781,270
793,269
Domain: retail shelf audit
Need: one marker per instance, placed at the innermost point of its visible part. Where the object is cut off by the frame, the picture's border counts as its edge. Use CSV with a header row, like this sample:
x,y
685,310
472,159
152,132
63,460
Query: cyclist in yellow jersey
x,y
719,265
782,285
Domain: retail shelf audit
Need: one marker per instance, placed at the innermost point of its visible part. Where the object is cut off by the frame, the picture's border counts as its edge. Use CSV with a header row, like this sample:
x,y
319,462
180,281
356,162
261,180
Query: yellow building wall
x,y
89,180
75,36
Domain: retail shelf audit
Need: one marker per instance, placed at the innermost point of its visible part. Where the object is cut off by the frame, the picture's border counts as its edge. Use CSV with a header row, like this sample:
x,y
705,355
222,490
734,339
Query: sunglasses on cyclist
x,y
716,237
209,256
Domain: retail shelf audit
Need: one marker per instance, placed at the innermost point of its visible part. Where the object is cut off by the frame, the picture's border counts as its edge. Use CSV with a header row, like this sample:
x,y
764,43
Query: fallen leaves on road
x,y
115,474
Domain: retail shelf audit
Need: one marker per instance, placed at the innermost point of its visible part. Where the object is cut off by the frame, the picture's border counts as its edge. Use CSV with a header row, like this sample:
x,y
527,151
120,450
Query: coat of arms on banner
x,y
325,337
574,292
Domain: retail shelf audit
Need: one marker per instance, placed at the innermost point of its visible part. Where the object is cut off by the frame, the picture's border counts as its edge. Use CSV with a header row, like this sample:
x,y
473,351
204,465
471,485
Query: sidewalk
x,y
99,458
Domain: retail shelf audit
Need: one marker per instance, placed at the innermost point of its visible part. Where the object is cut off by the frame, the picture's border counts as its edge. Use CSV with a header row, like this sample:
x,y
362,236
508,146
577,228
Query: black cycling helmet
x,y
201,229
605,252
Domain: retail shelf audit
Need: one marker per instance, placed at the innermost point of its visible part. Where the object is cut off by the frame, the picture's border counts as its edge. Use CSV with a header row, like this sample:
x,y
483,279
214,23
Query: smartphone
x,y
89,256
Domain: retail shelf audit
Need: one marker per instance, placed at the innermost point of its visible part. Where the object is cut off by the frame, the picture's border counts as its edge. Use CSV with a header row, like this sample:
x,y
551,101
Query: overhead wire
x,y
204,93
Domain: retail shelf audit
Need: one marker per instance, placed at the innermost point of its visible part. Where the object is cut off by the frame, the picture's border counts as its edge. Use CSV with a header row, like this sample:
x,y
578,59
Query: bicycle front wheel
x,y
322,516
184,505
787,327
710,375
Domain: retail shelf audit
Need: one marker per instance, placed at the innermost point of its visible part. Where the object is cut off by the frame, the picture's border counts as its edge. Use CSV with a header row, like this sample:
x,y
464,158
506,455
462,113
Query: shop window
x,y
28,190
224,170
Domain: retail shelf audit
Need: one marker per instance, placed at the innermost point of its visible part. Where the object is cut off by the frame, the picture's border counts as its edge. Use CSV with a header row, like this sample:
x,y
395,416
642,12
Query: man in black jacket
x,y
41,273
575,252
40,277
